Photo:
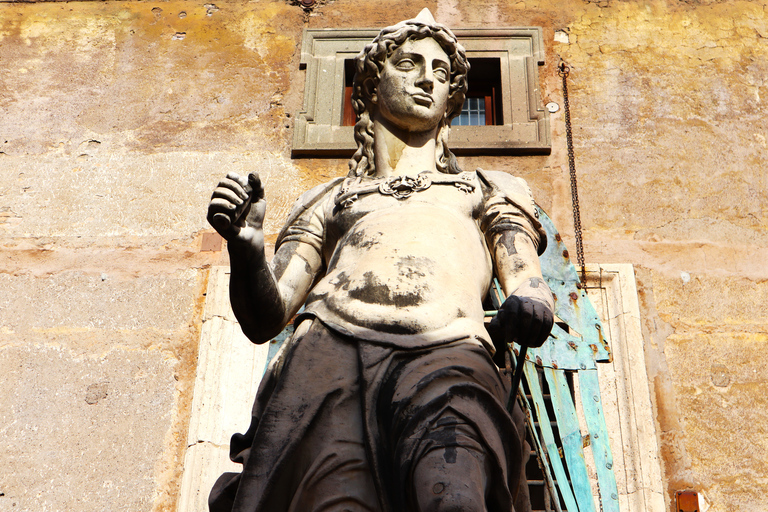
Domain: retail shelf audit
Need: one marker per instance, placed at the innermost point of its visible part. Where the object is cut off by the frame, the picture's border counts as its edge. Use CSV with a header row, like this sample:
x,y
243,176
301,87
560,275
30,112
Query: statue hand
x,y
237,209
524,320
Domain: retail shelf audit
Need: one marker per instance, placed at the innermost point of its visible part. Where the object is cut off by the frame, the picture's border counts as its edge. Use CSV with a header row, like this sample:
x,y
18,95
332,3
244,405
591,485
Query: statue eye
x,y
405,65
441,74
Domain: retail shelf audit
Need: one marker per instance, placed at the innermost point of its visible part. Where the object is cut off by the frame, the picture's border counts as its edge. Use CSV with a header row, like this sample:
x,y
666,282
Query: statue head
x,y
368,66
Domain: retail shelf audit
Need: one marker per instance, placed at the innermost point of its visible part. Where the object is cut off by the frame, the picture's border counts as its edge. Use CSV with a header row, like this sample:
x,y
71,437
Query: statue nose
x,y
426,79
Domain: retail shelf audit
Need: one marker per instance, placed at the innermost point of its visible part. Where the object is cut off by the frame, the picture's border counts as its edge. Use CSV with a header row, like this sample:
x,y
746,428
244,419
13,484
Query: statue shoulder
x,y
514,189
316,194
306,204
504,182
501,188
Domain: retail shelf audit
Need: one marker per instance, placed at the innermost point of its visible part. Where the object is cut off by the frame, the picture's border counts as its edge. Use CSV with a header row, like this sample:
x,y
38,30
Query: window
x,y
503,81
473,113
349,75
483,104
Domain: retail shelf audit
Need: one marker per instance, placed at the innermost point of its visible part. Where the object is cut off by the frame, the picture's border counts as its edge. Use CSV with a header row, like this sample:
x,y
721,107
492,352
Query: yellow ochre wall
x,y
117,118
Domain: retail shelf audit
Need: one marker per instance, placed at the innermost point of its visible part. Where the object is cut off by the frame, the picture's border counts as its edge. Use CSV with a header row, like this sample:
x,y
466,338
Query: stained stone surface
x,y
731,396
119,116
82,431
78,301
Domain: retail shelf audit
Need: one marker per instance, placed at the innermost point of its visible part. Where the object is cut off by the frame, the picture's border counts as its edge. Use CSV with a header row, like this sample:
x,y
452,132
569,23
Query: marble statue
x,y
386,398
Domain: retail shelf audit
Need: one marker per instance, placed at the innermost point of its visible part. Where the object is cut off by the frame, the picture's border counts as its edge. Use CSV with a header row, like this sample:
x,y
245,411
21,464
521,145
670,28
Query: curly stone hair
x,y
368,66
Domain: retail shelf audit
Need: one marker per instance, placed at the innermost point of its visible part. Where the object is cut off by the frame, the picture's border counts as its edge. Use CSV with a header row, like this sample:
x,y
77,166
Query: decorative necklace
x,y
402,187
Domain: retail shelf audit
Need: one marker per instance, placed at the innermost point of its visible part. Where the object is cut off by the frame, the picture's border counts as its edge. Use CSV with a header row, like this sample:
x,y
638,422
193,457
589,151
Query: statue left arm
x,y
527,314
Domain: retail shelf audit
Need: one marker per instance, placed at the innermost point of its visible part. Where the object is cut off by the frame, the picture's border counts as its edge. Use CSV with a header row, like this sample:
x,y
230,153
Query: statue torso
x,y
406,264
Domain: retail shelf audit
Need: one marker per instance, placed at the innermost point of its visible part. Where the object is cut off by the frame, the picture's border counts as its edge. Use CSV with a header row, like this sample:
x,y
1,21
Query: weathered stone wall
x,y
118,118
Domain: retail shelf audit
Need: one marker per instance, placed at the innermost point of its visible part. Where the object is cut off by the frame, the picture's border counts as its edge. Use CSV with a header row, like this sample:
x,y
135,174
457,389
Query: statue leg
x,y
453,475
331,462
338,480
305,450
453,444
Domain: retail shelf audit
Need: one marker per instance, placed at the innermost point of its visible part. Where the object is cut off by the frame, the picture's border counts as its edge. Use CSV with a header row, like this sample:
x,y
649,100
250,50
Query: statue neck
x,y
400,152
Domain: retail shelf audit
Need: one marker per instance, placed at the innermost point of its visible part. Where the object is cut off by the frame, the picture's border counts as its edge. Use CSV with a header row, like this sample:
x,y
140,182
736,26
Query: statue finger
x,y
536,337
241,180
546,328
233,185
257,212
494,328
229,195
510,307
254,181
221,205
549,320
542,314
221,222
500,318
537,315
525,318
221,215
542,323
542,334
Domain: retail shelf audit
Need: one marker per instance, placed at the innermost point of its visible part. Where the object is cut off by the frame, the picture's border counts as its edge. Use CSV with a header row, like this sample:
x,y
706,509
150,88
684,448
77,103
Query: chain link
x,y
563,70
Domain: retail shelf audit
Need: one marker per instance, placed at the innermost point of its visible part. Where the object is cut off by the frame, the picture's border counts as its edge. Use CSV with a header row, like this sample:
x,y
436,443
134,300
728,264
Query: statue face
x,y
414,85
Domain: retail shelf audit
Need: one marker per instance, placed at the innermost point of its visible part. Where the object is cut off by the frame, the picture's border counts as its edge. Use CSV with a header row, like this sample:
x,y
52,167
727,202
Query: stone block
x,y
82,77
82,432
123,195
721,393
77,301
717,360
204,462
693,302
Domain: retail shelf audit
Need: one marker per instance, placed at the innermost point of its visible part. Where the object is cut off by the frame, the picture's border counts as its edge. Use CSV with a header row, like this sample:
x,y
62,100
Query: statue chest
x,y
403,206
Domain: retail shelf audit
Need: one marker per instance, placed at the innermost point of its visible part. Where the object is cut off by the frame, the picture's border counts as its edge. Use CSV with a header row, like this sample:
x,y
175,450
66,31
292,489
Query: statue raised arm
x,y
264,296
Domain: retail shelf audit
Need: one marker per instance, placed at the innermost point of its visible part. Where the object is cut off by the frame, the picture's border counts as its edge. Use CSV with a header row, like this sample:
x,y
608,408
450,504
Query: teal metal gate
x,y
572,351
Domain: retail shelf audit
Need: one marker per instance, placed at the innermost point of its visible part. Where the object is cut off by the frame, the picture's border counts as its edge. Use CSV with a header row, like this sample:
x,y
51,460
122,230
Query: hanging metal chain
x,y
564,71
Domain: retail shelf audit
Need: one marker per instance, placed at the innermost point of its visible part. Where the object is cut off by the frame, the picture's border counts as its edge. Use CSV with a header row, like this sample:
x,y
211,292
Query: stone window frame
x,y
230,368
625,392
318,130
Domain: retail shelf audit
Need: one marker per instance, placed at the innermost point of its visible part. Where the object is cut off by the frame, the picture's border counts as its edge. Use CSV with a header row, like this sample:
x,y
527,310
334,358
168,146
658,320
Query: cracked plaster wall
x,y
118,118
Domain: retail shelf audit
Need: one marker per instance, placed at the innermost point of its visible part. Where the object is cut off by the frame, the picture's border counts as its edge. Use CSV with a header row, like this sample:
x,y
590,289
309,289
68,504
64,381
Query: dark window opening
x,y
348,117
482,106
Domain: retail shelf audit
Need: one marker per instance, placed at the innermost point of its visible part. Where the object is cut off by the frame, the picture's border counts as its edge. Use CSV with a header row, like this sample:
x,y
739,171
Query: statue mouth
x,y
423,99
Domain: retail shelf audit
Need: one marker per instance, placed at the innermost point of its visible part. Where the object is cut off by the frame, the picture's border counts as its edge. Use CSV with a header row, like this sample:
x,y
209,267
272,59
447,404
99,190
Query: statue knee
x,y
451,497
450,480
